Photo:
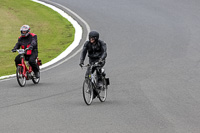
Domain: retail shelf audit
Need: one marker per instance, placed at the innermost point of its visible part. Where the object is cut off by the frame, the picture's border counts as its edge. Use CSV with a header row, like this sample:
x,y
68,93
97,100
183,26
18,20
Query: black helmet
x,y
25,28
94,34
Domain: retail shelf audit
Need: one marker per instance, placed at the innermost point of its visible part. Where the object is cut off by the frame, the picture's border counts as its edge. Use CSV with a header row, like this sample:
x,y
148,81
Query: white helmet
x,y
25,28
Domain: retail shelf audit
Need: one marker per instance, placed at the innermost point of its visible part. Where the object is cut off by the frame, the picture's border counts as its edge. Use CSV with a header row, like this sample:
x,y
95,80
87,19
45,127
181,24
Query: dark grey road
x,y
153,63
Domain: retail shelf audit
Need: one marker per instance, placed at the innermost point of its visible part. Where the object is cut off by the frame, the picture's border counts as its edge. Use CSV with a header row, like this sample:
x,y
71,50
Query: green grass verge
x,y
54,32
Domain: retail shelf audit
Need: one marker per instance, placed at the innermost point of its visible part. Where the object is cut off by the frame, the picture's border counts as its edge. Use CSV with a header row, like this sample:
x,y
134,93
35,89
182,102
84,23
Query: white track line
x,y
75,43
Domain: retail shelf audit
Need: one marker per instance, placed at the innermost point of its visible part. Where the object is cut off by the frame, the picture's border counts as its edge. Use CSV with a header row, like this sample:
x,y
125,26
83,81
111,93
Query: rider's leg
x,y
17,60
87,73
33,64
99,75
103,71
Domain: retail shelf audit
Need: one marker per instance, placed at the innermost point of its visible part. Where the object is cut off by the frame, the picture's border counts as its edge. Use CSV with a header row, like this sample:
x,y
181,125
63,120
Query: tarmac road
x,y
153,65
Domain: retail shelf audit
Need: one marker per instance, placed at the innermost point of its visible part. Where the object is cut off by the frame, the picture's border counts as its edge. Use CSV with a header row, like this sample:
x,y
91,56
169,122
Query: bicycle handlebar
x,y
96,64
86,65
21,51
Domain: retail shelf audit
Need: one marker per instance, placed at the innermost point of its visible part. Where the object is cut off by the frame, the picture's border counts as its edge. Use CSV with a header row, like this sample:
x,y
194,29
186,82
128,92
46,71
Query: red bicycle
x,y
24,70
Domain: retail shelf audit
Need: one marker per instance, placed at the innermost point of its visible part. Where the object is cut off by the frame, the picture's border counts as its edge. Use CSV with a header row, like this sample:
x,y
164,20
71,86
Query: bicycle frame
x,y
92,74
23,64
25,69
93,79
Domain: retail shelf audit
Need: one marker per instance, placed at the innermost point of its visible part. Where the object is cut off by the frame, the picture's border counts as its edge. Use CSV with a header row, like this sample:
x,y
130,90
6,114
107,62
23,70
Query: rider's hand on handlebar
x,y
100,60
29,48
13,50
26,49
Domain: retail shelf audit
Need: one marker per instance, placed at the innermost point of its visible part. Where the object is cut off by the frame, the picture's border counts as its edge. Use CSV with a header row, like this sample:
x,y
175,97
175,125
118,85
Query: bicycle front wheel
x,y
21,79
103,91
87,92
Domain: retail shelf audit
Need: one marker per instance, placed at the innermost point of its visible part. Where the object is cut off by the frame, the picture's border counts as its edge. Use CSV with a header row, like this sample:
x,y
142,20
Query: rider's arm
x,y
34,41
104,48
17,45
84,52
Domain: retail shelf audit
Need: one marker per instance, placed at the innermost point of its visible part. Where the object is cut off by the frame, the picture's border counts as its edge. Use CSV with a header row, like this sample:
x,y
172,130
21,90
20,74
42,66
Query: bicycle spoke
x,y
87,92
20,78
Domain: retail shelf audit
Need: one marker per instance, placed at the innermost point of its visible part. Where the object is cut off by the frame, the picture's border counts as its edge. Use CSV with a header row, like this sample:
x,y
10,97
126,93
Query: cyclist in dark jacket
x,y
28,41
96,49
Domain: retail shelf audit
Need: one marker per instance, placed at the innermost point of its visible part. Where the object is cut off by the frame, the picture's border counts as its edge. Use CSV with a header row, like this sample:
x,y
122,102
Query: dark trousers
x,y
92,61
31,60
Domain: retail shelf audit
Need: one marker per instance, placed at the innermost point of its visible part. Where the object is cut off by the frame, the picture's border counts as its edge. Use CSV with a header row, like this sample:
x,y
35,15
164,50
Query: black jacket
x,y
95,51
25,42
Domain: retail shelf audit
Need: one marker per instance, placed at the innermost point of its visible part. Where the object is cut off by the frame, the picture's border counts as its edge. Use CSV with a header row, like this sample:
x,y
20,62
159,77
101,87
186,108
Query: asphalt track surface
x,y
153,64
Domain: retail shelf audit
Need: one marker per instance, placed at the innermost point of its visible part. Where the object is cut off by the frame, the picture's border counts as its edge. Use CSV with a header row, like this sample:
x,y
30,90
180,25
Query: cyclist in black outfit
x,y
96,49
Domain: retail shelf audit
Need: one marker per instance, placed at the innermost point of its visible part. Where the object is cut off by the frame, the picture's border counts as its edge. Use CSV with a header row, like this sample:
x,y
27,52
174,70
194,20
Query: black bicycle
x,y
91,89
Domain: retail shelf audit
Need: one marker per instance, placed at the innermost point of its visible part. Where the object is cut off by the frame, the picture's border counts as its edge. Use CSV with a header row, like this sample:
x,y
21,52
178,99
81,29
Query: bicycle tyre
x,y
35,80
87,92
103,91
21,79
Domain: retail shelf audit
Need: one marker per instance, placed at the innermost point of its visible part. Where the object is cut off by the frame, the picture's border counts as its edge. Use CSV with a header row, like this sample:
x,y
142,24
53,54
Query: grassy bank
x,y
54,32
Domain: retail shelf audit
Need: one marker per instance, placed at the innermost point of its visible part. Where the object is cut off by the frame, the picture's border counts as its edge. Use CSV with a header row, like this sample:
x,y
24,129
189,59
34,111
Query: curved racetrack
x,y
153,65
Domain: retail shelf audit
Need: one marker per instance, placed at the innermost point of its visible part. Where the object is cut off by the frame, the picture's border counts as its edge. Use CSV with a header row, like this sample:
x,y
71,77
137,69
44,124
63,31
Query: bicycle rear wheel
x,y
103,91
21,79
87,92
